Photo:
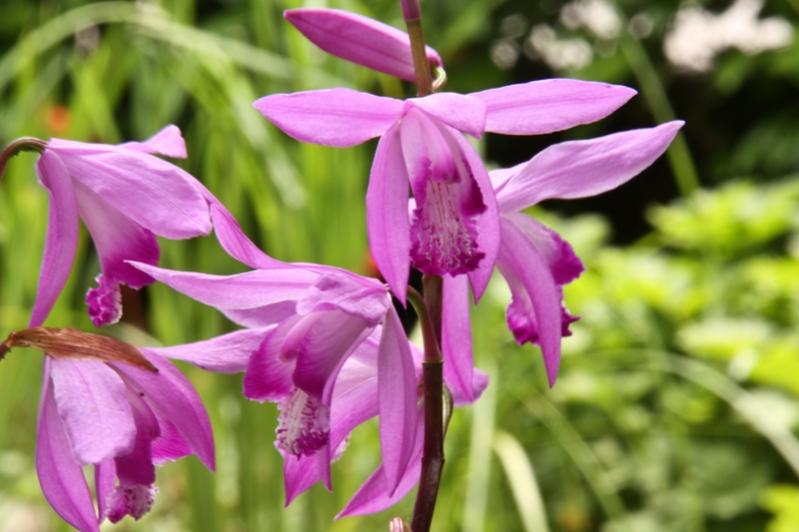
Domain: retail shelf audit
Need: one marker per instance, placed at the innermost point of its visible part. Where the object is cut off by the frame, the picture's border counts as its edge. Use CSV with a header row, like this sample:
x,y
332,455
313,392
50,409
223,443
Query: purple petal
x,y
260,317
564,264
249,290
356,295
105,475
169,445
269,373
463,112
359,39
447,198
136,467
456,339
234,241
332,117
303,426
549,105
355,396
228,353
397,385
387,220
93,403
487,221
355,400
172,398
116,239
536,297
169,142
300,473
321,342
583,168
62,235
60,476
374,495
152,192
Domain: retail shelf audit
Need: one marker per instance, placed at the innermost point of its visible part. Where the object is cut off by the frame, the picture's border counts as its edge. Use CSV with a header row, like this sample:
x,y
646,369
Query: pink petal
x,y
447,197
374,495
387,220
359,39
355,400
355,396
583,168
300,473
269,373
487,221
354,294
462,112
93,403
332,117
169,445
456,339
321,342
564,264
105,475
62,235
549,105
152,192
534,291
234,241
172,398
397,385
260,317
116,239
136,467
228,353
60,476
249,290
169,142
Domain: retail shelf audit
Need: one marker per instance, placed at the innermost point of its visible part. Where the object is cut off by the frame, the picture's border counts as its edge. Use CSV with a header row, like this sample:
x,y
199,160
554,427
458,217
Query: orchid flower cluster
x,y
324,344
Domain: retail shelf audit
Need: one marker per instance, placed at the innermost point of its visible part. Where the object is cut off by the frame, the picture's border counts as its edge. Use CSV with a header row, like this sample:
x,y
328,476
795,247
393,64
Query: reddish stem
x,y
18,145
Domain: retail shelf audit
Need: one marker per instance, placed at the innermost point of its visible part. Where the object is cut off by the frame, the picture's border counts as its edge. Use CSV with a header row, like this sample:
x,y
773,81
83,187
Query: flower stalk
x,y
432,367
19,145
413,21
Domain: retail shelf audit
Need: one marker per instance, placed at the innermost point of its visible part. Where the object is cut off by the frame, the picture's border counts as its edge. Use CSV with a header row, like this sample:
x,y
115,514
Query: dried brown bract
x,y
72,343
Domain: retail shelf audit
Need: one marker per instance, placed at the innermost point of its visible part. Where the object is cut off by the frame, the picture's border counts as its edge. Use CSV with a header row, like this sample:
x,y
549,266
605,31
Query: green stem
x,y
682,164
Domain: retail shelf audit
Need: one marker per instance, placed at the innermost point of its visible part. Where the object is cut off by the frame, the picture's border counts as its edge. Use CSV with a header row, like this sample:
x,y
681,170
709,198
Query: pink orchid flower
x,y
359,39
356,398
454,227
305,322
126,197
534,260
121,419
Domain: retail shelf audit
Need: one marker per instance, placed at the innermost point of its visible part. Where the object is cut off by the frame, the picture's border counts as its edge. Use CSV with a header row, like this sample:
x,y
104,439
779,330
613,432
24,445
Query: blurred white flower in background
x,y
559,54
697,36
597,16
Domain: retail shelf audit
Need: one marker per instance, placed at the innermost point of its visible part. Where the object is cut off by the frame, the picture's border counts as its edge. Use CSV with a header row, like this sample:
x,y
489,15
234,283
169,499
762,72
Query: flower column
x,y
433,451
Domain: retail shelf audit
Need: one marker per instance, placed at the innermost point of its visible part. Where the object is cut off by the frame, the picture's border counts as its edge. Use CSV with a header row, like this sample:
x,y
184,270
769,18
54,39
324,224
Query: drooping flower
x,y
454,227
534,260
356,398
126,197
305,322
119,409
359,39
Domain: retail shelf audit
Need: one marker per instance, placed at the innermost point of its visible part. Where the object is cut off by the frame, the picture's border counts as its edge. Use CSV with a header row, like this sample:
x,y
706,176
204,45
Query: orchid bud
x,y
72,343
359,39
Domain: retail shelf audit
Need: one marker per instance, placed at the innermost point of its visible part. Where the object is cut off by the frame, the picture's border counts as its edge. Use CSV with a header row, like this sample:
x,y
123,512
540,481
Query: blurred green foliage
x,y
679,392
